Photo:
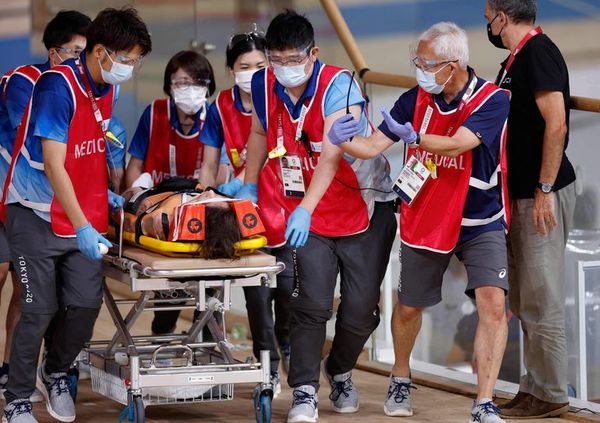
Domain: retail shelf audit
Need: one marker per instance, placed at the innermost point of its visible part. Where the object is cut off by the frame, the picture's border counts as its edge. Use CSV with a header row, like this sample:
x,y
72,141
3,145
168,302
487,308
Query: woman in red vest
x,y
167,139
226,134
229,120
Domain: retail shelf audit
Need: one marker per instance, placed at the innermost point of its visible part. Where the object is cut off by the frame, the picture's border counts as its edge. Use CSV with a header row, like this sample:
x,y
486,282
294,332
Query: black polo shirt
x,y
539,66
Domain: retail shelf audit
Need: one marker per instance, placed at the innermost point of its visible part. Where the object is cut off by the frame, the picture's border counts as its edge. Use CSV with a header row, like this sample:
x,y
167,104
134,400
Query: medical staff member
x,y
227,129
55,222
454,123
167,139
64,38
316,202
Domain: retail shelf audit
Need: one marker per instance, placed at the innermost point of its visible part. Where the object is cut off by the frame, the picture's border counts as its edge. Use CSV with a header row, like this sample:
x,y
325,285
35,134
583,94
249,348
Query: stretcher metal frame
x,y
123,367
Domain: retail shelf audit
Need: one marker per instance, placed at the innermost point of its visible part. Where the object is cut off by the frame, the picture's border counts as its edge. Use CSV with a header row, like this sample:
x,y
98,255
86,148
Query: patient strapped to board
x,y
182,210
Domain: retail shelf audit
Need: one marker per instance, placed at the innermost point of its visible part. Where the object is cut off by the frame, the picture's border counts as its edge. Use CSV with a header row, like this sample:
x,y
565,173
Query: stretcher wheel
x,y
135,410
73,380
262,407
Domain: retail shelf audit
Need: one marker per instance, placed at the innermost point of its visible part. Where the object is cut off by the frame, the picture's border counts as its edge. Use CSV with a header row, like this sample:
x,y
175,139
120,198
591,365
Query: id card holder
x,y
291,176
411,181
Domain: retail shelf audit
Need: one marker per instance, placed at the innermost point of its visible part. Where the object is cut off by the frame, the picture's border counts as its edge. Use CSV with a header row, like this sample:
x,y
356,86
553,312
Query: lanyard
x,y
511,58
90,94
458,112
173,146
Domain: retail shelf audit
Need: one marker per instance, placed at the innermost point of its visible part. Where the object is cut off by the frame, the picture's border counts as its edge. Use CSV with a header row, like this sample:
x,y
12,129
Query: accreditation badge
x,y
291,176
411,180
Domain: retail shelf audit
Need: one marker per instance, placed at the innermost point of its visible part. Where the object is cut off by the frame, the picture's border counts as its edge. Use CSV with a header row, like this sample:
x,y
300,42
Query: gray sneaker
x,y
18,411
397,402
304,405
55,389
343,396
485,412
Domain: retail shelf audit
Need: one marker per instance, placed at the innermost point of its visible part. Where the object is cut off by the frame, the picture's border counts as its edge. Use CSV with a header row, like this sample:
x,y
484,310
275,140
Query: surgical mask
x,y
496,40
290,76
189,99
243,79
426,80
118,72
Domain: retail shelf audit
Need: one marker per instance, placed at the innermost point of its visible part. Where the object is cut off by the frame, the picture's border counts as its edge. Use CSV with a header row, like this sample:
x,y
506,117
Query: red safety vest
x,y
236,128
341,211
171,153
85,160
433,220
31,73
28,71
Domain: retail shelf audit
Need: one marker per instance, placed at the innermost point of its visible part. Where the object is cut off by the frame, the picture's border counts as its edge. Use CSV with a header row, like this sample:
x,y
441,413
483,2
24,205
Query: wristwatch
x,y
545,187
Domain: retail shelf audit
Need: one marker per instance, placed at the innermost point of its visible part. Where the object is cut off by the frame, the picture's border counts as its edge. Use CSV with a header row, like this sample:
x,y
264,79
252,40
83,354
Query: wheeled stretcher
x,y
139,371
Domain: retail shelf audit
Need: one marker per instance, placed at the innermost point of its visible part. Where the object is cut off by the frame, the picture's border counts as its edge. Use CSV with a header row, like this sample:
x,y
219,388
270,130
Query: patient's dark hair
x,y
222,232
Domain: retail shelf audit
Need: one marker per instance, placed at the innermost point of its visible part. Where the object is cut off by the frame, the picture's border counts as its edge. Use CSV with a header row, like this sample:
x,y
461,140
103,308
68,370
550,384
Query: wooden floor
x,y
430,405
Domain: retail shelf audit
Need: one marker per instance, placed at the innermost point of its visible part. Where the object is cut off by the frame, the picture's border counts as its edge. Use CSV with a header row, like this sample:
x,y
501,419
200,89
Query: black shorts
x,y
422,271
52,270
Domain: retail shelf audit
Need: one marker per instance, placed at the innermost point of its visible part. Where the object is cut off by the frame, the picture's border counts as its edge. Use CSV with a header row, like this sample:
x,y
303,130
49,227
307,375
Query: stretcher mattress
x,y
158,261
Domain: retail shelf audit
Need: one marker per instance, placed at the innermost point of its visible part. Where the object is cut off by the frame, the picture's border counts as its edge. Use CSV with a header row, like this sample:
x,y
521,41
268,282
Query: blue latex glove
x,y
298,226
248,192
115,201
88,239
232,187
343,129
406,132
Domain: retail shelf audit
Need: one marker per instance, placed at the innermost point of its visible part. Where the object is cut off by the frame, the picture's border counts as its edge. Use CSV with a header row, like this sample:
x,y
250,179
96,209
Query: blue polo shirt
x,y
141,138
486,122
52,109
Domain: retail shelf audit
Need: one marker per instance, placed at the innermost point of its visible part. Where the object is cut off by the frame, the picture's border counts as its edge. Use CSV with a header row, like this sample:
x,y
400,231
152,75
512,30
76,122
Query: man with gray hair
x,y
541,188
453,204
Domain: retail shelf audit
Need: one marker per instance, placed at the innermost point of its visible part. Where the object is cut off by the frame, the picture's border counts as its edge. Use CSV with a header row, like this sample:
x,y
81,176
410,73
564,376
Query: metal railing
x,y
394,80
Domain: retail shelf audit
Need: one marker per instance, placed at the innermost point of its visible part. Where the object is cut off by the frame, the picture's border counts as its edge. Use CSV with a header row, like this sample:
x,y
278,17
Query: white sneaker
x,y
304,405
485,412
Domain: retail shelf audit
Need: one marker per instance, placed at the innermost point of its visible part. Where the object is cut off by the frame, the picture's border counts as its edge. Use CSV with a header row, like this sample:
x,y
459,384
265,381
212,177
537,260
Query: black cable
x,y
362,189
348,95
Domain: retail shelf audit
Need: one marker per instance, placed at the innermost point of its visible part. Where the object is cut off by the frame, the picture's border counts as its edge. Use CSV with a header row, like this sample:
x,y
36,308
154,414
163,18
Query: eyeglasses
x,y
251,35
185,83
73,52
427,65
124,59
294,59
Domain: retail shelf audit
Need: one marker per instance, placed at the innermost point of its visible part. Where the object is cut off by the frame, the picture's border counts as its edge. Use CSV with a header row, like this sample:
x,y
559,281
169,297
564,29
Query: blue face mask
x,y
426,80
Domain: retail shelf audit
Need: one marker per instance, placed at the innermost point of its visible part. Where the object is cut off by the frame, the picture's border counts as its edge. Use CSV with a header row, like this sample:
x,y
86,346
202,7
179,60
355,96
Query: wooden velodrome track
x,y
431,405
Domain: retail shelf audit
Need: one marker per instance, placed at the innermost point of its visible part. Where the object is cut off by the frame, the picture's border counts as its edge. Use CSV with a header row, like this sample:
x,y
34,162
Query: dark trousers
x,y
267,333
58,282
361,261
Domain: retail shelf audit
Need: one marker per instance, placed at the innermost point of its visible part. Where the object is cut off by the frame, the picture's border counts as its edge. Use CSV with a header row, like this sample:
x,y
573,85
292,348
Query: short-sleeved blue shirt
x,y
486,123
141,138
51,111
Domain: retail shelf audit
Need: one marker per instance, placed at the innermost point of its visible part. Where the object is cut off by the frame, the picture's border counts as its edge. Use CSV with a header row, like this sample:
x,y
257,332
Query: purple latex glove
x,y
343,129
405,132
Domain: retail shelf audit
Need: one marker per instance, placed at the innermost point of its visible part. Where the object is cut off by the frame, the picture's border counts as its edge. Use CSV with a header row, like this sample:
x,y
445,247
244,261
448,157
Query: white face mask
x,y
243,79
426,80
189,99
290,76
118,72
